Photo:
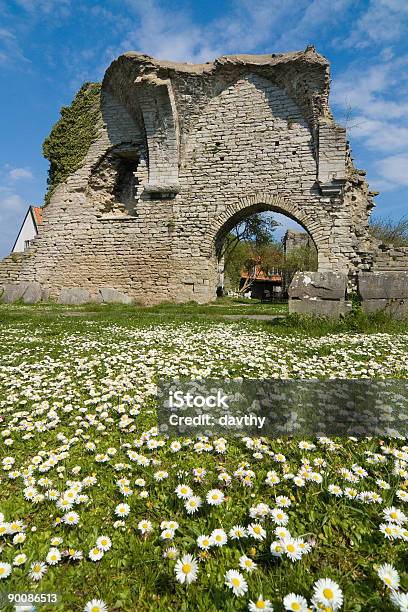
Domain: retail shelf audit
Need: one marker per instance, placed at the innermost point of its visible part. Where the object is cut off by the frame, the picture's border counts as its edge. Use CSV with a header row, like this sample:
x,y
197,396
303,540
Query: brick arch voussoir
x,y
273,202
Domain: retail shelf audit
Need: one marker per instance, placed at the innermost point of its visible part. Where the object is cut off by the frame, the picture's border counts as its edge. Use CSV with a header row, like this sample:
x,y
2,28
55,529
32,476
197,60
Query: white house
x,y
28,230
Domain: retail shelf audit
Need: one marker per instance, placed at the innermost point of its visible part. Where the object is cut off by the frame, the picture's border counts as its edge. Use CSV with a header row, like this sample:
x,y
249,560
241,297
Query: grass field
x,y
88,501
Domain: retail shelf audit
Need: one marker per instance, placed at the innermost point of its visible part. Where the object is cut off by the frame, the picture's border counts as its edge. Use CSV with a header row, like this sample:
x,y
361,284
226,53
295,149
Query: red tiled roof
x,y
37,210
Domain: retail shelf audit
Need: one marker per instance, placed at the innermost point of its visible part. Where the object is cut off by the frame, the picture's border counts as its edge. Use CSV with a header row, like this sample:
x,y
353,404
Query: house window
x,y
26,244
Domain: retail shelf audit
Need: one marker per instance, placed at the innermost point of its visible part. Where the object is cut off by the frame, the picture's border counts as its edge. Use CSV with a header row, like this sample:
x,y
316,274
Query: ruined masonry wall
x,y
184,153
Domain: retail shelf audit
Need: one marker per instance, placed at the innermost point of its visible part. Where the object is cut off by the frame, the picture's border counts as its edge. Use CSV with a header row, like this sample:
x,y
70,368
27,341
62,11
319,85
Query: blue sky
x,y
49,47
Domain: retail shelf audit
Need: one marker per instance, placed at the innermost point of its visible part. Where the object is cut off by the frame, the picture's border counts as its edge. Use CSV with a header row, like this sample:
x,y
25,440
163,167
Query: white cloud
x,y
379,135
56,8
172,34
12,202
384,22
393,170
17,174
10,51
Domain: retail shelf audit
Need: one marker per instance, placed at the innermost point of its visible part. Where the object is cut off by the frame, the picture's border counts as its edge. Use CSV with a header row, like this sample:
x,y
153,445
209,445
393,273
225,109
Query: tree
x,y
245,245
258,228
302,258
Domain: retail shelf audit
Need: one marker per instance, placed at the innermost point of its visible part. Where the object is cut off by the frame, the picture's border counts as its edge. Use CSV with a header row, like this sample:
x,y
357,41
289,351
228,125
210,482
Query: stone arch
x,y
263,201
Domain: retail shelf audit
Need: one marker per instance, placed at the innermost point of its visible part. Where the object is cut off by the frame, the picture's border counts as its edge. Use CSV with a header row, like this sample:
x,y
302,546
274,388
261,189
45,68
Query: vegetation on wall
x,y
390,231
72,135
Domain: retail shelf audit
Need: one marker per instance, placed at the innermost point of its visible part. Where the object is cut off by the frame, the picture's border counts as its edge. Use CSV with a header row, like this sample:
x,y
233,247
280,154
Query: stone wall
x,y
183,153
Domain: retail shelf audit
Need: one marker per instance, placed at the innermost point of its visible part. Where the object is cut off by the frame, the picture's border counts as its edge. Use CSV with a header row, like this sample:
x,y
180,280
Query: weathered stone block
x,y
319,285
113,296
74,296
383,285
326,308
13,292
395,307
33,293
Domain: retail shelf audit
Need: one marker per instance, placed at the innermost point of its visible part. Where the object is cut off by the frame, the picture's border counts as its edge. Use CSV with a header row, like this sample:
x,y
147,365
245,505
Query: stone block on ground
x,y
113,296
323,308
33,293
12,292
74,296
397,308
383,285
319,285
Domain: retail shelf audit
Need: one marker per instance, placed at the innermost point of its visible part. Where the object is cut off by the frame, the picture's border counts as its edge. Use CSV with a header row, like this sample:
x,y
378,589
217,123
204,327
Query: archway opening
x,y
258,250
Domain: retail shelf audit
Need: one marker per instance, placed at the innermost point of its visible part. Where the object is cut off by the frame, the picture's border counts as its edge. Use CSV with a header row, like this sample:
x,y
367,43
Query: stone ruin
x,y
183,153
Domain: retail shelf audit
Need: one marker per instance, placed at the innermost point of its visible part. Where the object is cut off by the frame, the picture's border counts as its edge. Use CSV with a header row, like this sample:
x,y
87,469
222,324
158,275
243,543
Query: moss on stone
x,y
72,135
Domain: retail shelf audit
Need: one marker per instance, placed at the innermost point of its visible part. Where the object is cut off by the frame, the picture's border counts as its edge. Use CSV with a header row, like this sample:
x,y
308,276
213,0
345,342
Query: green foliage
x,y
303,258
72,135
390,231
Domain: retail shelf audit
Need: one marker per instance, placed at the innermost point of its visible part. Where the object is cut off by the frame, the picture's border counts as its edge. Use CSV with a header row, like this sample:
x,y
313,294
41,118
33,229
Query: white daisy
x,y
247,564
256,531
122,510
145,526
5,570
389,575
328,593
186,569
295,602
96,605
37,570
236,582
218,537
104,543
204,542
260,604
215,497
95,554
183,491
192,504
53,556
237,532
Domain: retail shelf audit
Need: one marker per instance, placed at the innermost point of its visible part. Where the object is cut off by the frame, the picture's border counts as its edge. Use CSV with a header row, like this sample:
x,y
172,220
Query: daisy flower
x,y
37,570
395,515
186,569
237,532
247,564
256,531
295,602
277,548
236,582
400,600
279,517
19,559
218,537
104,543
204,542
96,605
53,557
389,575
167,534
215,497
145,526
192,504
260,604
183,491
292,549
5,570
71,518
95,554
171,553
122,510
328,593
